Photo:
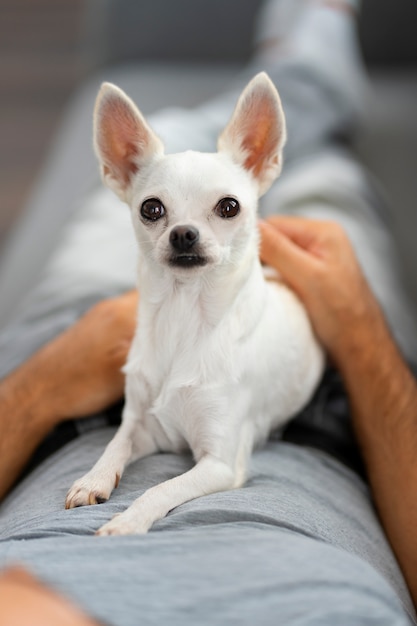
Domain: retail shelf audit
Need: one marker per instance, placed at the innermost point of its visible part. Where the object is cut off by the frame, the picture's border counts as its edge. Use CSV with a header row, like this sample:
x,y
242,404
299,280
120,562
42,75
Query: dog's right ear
x,y
123,141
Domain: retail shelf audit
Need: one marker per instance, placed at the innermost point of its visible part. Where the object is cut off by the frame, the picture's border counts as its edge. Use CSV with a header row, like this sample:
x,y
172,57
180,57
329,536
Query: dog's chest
x,y
187,364
184,341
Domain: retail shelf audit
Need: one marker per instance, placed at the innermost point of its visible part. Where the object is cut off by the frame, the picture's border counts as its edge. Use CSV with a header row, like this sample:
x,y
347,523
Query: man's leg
x,y
309,49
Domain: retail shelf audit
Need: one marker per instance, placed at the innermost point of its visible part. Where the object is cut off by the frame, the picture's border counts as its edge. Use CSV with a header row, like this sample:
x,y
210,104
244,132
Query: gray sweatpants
x,y
300,543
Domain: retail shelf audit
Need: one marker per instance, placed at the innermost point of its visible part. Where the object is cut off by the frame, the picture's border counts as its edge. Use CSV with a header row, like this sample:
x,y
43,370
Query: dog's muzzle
x,y
184,244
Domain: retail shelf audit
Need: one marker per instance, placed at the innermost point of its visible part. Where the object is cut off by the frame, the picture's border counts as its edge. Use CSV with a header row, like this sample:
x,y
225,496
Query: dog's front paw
x,y
90,490
126,523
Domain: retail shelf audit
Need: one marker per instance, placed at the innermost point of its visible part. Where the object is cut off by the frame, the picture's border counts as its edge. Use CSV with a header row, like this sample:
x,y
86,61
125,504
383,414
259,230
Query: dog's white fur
x,y
221,356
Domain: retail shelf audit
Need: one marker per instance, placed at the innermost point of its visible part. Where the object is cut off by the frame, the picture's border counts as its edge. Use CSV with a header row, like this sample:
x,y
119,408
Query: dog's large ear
x,y
256,134
123,141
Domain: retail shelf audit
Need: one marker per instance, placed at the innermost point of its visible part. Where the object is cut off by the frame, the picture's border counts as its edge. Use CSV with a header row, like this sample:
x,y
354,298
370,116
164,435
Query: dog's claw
x,y
82,497
90,489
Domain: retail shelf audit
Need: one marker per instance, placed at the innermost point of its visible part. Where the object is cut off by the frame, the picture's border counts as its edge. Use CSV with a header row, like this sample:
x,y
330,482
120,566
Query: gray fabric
x,y
298,544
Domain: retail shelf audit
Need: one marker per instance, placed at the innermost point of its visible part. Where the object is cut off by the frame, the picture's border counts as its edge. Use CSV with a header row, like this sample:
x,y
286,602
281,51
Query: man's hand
x,y
85,361
317,261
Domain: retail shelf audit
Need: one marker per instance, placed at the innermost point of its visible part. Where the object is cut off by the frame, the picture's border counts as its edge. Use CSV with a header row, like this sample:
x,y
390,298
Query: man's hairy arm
x,y
317,261
75,375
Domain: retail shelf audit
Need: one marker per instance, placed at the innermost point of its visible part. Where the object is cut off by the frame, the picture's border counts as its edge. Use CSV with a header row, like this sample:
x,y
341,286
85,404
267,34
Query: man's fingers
x,y
304,232
289,259
320,238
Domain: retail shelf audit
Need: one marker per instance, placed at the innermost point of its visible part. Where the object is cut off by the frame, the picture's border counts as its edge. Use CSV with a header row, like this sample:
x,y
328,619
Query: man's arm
x,y
75,375
317,261
26,600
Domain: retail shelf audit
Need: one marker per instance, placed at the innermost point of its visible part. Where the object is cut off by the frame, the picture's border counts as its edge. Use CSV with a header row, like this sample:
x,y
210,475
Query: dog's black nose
x,y
183,238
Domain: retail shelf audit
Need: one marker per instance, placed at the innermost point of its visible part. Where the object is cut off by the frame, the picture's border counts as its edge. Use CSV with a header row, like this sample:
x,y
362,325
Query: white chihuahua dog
x,y
221,356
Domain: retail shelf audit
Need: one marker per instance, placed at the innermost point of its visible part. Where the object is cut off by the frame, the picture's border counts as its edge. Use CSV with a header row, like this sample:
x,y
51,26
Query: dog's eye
x,y
152,209
228,207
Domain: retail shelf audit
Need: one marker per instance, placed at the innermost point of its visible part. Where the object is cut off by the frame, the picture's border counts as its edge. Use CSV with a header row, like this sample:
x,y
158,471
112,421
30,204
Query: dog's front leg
x,y
130,442
209,475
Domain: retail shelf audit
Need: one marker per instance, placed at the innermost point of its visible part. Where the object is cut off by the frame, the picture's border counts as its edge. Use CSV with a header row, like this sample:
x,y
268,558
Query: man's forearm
x,y
26,417
383,395
317,260
75,375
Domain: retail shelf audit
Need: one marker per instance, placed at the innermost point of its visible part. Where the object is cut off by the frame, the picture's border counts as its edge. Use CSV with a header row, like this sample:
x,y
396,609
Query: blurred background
x,y
40,64
50,47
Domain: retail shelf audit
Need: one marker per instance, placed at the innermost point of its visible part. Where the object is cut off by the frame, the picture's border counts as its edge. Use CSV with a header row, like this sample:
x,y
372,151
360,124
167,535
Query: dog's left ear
x,y
256,134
